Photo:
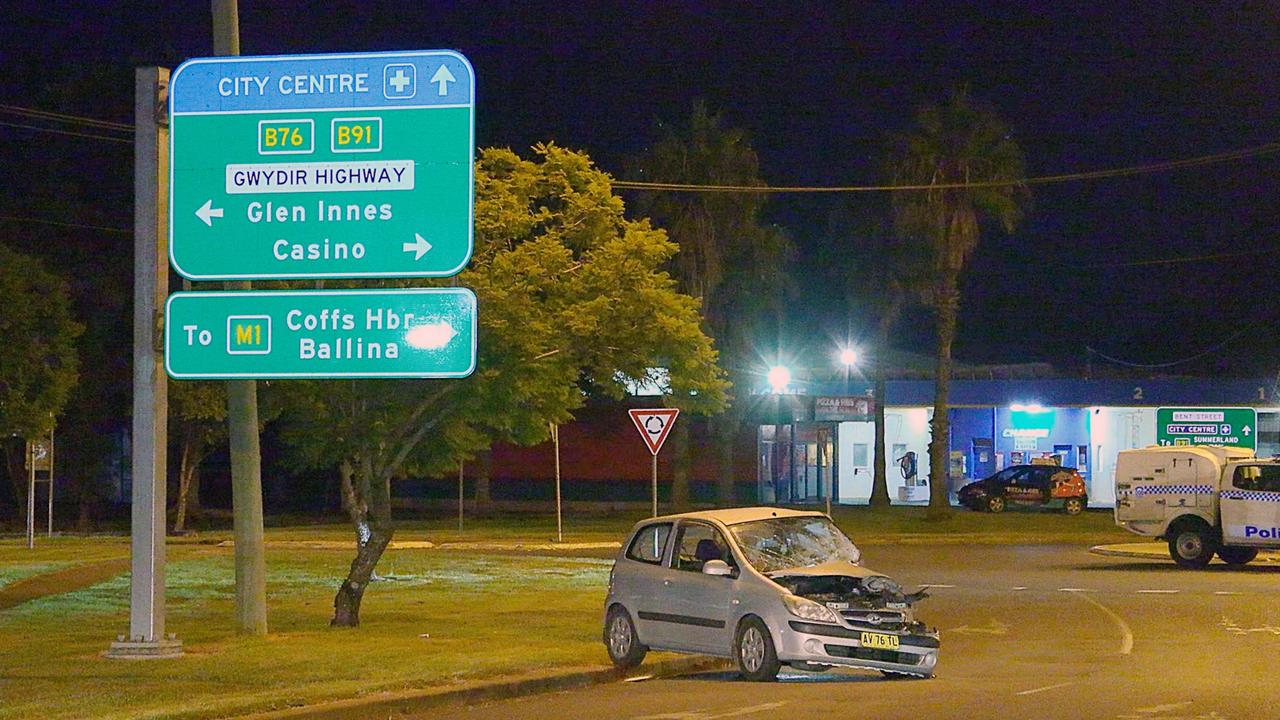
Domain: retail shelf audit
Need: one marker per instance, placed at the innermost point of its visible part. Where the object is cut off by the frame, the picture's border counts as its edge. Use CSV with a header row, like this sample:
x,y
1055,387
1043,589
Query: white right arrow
x,y
443,77
208,212
419,246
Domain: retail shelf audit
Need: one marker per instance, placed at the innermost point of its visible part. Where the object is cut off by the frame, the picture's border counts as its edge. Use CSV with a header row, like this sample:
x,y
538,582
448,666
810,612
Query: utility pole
x,y
242,422
147,638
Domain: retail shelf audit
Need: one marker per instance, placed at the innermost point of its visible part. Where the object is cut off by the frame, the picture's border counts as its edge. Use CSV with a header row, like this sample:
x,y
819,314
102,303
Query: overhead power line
x,y
59,223
66,118
37,128
1156,366
1201,160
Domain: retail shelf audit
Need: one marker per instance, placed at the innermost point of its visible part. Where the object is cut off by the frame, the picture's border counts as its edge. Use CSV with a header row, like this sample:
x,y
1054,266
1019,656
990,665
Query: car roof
x,y
733,516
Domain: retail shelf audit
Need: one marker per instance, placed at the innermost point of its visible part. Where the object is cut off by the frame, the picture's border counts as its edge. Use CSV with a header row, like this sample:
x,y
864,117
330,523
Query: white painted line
x,y
935,585
1157,592
1076,590
638,678
1226,592
1126,633
1020,587
1046,688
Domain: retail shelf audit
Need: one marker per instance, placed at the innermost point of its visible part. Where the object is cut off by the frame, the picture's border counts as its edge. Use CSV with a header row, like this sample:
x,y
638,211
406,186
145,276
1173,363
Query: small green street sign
x,y
321,166
408,333
1207,426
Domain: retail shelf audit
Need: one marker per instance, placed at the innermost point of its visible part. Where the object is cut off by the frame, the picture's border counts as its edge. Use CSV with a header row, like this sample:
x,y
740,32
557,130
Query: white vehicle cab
x,y
1201,499
764,586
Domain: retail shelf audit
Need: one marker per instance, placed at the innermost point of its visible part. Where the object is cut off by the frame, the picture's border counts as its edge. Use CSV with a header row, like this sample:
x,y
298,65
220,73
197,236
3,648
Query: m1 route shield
x,y
321,166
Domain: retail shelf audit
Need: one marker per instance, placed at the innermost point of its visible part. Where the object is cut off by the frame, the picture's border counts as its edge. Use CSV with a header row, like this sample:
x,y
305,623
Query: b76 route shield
x,y
321,166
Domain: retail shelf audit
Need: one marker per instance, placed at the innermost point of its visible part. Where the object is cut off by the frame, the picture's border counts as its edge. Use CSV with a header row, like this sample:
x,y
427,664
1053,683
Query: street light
x,y
779,378
848,357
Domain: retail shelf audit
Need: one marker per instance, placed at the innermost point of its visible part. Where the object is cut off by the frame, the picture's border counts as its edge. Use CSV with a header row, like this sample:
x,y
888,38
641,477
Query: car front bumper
x,y
824,644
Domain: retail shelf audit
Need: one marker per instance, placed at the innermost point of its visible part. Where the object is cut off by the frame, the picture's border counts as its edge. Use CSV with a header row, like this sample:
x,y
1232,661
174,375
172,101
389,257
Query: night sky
x,y
819,86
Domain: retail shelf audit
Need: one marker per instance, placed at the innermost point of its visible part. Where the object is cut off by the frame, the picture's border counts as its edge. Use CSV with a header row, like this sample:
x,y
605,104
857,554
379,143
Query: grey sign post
x,y
146,636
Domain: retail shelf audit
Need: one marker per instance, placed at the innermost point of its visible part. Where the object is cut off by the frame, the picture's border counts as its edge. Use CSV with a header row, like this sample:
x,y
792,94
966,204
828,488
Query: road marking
x,y
994,627
1076,590
1232,627
1146,713
1020,587
1157,592
705,715
1226,592
1046,688
1126,633
934,585
638,678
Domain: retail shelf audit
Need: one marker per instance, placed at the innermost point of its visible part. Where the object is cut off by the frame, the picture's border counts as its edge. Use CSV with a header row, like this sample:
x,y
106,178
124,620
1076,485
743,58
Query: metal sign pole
x,y
146,638
555,438
655,485
461,469
31,495
51,482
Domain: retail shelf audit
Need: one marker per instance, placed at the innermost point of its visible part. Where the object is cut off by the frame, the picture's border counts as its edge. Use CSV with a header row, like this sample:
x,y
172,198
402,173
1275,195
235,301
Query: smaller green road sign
x,y
408,333
1207,426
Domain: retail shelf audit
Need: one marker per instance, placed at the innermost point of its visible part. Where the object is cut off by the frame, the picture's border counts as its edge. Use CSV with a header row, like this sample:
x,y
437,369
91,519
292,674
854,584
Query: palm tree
x,y
729,259
962,150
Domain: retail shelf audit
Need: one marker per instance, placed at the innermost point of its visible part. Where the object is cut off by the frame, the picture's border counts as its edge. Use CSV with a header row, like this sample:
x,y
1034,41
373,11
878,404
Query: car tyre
x,y
1073,506
621,641
1236,555
1192,546
754,651
996,504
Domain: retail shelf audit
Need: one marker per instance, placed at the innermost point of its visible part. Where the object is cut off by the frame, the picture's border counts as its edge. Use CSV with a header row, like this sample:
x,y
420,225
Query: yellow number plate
x,y
879,641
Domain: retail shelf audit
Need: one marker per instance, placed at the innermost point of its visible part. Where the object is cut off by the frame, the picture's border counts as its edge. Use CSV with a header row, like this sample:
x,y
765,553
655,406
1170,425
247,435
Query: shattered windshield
x,y
781,543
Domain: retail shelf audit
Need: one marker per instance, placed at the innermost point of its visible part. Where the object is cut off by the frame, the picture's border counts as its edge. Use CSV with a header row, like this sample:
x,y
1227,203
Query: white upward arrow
x,y
419,246
443,77
1246,430
208,212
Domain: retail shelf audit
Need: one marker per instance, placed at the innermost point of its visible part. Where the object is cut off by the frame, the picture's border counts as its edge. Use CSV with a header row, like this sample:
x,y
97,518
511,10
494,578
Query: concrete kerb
x,y
412,701
1160,551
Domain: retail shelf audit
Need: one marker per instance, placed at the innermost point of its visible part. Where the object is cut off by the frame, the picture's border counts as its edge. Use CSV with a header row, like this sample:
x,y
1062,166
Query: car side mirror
x,y
717,567
857,556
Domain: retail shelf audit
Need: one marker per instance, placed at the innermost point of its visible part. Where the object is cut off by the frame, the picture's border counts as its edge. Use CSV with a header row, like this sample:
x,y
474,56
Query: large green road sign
x,y
321,166
1207,426
417,332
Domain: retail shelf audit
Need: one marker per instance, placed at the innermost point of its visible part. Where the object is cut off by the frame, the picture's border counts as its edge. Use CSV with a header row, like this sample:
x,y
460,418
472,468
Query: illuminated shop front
x,y
824,444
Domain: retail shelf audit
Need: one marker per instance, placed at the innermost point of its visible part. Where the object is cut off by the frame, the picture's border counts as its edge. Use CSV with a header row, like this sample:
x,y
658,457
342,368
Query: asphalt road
x,y
1027,632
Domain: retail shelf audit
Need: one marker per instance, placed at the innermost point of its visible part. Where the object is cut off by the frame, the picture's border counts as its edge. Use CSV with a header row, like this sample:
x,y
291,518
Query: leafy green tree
x,y
729,258
198,413
38,361
963,151
573,301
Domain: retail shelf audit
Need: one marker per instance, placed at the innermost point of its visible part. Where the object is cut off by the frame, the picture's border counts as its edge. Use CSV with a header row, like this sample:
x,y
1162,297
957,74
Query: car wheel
x,y
621,640
995,504
1073,506
754,651
1192,546
1237,555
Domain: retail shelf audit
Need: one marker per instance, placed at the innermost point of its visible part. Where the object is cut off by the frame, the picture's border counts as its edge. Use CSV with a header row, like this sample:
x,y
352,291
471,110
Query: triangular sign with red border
x,y
654,424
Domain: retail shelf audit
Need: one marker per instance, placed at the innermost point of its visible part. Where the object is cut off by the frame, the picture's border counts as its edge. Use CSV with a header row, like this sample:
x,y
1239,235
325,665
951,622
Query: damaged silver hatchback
x,y
766,587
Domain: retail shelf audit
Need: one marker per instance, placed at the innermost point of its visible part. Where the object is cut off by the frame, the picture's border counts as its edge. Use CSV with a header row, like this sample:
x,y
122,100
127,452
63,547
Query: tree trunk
x,y
184,485
947,302
726,434
680,467
484,471
880,478
14,452
374,532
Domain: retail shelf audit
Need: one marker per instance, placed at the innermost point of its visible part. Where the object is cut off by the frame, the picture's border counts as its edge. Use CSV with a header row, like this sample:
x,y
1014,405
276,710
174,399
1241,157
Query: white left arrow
x,y
419,246
208,212
443,77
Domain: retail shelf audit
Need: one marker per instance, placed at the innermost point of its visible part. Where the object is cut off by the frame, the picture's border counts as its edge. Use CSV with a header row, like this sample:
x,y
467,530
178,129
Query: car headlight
x,y
809,610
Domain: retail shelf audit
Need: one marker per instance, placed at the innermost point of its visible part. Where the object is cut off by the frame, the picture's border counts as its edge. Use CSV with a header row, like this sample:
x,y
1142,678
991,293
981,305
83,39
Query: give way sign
x,y
654,425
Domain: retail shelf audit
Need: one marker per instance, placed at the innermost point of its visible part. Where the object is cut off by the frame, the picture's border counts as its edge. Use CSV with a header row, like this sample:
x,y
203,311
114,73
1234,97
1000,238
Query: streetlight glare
x,y
779,378
848,356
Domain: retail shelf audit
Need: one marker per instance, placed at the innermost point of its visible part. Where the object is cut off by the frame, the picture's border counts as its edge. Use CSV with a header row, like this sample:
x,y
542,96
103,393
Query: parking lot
x,y
1028,632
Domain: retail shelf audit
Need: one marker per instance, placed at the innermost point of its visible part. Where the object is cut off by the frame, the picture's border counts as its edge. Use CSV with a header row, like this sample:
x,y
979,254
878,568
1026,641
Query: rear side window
x,y
1257,477
648,544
